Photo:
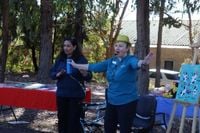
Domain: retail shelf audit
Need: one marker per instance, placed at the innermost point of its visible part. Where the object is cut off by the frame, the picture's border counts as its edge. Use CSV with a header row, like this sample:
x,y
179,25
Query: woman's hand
x,y
62,71
73,64
80,66
148,58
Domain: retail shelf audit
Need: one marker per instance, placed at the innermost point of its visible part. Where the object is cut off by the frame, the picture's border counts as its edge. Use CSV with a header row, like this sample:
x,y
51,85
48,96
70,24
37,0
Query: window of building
x,y
168,65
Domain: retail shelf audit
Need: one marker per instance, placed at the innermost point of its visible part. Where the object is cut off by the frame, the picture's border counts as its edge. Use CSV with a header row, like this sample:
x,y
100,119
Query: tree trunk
x,y
190,22
5,34
115,28
143,43
46,41
79,25
190,25
159,43
32,47
34,59
54,38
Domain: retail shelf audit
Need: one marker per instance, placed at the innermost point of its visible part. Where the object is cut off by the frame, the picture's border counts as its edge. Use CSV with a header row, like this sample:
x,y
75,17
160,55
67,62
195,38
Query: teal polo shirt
x,y
122,78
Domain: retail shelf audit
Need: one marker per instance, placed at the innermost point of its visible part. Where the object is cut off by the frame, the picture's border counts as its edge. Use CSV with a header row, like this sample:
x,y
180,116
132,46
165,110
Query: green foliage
x,y
172,22
96,25
29,24
155,6
100,15
94,50
193,5
168,20
24,26
19,59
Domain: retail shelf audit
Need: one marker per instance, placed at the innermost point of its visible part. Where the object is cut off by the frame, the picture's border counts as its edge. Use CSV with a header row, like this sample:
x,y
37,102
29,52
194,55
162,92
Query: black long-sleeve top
x,y
69,85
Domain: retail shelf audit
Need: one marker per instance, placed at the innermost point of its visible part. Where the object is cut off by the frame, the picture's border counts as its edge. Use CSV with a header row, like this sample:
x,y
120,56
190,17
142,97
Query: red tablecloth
x,y
41,99
32,99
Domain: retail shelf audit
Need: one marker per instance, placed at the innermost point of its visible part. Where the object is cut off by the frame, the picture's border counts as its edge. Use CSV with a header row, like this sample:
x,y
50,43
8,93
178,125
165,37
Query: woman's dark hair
x,y
76,53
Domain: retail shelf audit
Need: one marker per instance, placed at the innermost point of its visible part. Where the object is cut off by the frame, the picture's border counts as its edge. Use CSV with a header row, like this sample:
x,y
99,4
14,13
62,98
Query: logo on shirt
x,y
114,62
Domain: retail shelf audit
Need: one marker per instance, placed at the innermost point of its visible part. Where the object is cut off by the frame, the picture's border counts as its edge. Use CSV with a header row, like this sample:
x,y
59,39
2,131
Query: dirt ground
x,y
40,121
30,121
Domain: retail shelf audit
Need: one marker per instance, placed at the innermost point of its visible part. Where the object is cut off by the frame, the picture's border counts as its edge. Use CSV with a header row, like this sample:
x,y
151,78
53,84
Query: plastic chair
x,y
93,124
145,114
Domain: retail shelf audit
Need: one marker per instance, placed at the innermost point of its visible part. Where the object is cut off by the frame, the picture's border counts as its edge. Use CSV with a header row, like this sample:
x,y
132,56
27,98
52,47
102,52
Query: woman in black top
x,y
69,92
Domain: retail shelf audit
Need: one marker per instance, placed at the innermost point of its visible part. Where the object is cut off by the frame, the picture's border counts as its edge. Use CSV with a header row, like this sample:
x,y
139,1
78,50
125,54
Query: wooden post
x,y
183,118
195,55
194,122
172,117
196,108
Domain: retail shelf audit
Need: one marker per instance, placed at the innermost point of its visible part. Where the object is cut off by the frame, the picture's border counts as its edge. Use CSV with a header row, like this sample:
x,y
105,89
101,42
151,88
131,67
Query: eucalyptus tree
x,y
142,47
24,34
79,23
115,25
70,15
46,41
27,14
5,38
81,18
60,29
162,7
191,6
68,21
103,15
143,42
157,6
159,42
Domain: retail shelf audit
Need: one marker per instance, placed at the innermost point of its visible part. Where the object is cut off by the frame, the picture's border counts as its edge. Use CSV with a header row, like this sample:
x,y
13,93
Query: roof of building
x,y
171,36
